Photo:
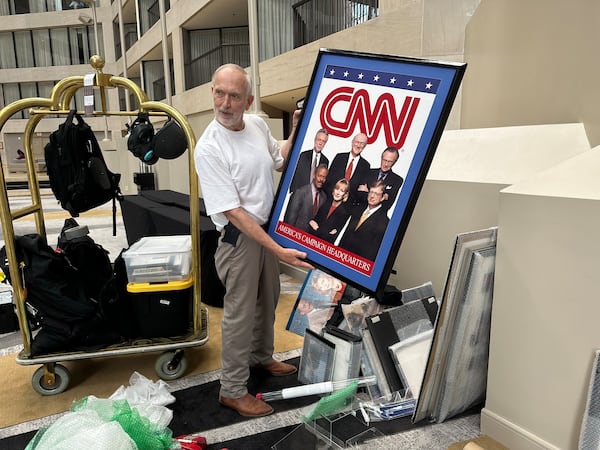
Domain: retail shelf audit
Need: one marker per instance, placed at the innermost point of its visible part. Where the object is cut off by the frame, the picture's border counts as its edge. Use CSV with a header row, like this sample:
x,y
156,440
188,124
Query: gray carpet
x,y
425,437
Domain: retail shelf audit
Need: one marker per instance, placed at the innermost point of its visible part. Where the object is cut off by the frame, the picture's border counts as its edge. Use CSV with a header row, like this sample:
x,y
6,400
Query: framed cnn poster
x,y
369,128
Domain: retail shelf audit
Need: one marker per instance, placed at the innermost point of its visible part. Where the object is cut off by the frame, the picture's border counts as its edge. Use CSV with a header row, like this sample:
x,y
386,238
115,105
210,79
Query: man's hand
x,y
286,147
296,117
294,258
247,225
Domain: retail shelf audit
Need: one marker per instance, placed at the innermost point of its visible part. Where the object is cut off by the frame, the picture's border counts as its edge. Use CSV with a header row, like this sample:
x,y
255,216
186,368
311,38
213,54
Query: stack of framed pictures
x,y
332,355
396,342
456,372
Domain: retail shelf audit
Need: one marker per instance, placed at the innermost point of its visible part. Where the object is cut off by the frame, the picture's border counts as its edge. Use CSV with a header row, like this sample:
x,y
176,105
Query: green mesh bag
x,y
102,424
146,435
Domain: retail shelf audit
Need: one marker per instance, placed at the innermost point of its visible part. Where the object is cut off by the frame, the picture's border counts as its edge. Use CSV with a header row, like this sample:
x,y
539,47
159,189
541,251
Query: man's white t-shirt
x,y
235,169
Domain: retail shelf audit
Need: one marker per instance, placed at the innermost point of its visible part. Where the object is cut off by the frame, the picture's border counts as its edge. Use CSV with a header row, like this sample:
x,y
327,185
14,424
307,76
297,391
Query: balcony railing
x,y
315,19
200,70
13,7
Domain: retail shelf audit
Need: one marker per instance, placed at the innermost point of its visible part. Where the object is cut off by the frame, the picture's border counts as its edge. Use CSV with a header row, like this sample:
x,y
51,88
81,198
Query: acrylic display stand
x,y
343,430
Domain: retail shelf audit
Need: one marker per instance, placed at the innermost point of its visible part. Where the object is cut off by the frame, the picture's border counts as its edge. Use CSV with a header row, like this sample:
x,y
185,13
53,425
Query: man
x,y
392,181
366,228
349,165
307,199
309,160
234,158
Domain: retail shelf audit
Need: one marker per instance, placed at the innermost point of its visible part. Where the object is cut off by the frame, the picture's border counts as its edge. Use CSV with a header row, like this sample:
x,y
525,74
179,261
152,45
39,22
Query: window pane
x,y
8,59
24,49
45,88
41,48
11,94
235,36
28,90
80,53
59,39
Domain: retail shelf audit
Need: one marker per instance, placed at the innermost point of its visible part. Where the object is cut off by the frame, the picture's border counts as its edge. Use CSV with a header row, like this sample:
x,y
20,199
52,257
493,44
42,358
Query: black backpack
x,y
77,172
69,320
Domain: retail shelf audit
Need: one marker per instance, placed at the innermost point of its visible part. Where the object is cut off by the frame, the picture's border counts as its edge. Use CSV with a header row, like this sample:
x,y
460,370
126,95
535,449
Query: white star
x,y
376,78
360,76
428,86
410,82
346,74
392,80
332,72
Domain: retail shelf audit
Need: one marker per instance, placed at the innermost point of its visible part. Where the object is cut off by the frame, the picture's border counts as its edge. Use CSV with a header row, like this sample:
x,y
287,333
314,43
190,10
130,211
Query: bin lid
x,y
159,245
178,285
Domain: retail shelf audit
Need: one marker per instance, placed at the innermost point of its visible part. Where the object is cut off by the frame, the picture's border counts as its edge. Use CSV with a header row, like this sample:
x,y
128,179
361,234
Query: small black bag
x,y
8,318
77,172
90,259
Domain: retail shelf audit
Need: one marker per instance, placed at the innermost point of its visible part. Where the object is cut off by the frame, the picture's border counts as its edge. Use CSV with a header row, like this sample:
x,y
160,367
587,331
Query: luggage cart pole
x,y
53,378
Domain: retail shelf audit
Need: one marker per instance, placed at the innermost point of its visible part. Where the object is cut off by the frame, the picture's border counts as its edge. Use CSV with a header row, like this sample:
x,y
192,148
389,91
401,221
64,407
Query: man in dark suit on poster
x,y
366,228
305,202
351,166
309,160
392,181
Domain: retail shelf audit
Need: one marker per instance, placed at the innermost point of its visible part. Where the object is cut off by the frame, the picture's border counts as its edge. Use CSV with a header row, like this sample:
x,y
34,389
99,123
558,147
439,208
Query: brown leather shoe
x,y
280,369
248,406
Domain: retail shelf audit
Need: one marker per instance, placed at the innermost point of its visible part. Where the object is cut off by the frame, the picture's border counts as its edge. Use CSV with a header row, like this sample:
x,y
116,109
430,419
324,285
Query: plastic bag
x,y
82,429
142,390
146,434
100,424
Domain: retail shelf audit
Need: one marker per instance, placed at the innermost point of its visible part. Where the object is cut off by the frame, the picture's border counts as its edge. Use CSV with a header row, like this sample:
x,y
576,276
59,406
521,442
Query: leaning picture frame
x,y
386,101
316,360
456,371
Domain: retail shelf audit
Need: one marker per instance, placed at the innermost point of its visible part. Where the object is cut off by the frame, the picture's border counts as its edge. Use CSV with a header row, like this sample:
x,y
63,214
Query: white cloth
x,y
236,170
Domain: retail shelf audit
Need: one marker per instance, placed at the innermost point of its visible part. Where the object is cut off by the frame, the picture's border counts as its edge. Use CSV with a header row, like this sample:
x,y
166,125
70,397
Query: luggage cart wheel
x,y
51,379
171,365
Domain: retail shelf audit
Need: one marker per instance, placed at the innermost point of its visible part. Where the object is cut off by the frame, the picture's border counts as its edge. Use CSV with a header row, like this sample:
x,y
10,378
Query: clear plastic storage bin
x,y
158,259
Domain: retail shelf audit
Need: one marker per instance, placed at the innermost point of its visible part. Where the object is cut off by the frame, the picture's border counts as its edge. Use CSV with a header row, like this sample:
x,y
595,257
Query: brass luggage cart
x,y
53,378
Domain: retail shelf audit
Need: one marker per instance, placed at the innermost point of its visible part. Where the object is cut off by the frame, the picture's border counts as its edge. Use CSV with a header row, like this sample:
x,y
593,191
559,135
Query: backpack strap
x,y
114,214
67,124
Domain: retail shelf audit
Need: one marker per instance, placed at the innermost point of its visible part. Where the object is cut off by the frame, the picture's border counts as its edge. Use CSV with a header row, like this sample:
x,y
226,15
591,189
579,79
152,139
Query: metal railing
x,y
315,19
200,70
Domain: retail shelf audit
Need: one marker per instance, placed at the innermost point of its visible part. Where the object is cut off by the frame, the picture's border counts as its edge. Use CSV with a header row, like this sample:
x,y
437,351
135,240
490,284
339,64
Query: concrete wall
x,y
531,63
461,192
544,330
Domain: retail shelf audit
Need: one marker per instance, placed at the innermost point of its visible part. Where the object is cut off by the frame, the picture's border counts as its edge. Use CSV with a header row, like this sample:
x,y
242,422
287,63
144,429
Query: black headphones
x,y
168,143
141,135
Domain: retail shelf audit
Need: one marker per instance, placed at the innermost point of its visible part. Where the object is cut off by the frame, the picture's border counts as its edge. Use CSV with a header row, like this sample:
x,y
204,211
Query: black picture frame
x,y
316,360
396,102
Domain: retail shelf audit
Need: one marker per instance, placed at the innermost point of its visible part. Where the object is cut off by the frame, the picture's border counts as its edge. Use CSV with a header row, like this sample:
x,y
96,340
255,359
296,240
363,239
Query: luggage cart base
x,y
53,378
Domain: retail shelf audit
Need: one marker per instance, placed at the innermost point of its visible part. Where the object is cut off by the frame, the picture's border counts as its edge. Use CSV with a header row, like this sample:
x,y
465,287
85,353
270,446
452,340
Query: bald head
x,y
235,68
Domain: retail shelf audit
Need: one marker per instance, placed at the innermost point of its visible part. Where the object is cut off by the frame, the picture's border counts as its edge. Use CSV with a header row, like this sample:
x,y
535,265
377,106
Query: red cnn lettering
x,y
360,115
